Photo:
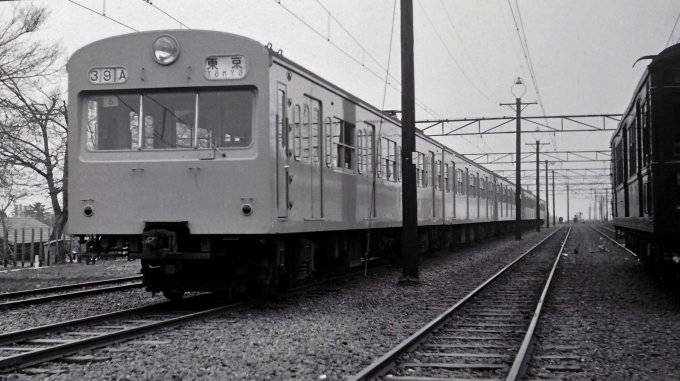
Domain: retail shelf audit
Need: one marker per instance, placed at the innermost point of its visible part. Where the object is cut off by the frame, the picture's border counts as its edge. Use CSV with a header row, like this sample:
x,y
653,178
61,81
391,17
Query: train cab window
x,y
446,178
329,143
113,122
170,120
297,147
343,141
225,118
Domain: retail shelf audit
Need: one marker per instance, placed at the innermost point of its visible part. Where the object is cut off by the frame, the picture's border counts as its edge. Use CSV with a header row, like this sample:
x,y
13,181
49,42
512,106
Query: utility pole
x,y
553,186
518,89
538,184
409,200
568,215
547,197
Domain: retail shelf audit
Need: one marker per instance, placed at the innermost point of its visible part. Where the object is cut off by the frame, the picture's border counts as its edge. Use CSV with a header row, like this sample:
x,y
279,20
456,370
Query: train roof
x,y
672,53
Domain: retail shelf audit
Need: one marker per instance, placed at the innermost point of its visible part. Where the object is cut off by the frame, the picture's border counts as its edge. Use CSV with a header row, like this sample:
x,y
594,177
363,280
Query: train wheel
x,y
173,296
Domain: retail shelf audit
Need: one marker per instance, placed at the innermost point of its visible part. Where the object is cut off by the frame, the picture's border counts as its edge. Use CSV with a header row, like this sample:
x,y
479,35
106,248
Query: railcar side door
x,y
317,154
282,152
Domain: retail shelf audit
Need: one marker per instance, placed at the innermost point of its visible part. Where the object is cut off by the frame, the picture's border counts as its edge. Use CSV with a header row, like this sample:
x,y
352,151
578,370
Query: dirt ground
x,y
17,278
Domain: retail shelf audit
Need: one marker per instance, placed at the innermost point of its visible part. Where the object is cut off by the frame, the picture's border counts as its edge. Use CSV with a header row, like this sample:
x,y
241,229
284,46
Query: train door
x,y
282,153
314,118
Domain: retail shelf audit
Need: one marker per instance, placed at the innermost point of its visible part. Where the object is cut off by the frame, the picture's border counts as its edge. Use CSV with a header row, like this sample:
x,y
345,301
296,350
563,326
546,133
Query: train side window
x,y
399,162
360,156
329,142
390,158
280,117
482,194
316,141
459,182
632,149
446,178
336,140
420,170
369,145
471,183
438,175
379,162
426,171
304,136
365,151
297,146
676,128
345,145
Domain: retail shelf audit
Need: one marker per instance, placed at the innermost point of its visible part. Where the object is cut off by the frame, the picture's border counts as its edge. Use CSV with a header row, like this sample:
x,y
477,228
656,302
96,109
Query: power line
x,y
167,14
465,50
673,30
451,54
103,15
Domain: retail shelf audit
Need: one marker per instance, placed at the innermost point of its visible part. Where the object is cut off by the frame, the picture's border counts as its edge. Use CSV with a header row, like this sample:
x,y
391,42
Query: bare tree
x,y
33,118
10,193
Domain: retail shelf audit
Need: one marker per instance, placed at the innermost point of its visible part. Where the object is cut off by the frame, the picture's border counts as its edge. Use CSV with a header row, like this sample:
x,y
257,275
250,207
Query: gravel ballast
x,y
617,318
319,335
17,278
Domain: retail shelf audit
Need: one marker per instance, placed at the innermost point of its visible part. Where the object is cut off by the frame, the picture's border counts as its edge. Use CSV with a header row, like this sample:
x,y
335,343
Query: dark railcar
x,y
646,163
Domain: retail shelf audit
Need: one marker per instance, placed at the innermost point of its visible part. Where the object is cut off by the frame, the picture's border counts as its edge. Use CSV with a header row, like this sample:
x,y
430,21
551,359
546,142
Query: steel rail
x,y
516,371
73,286
606,228
41,355
613,240
49,298
384,363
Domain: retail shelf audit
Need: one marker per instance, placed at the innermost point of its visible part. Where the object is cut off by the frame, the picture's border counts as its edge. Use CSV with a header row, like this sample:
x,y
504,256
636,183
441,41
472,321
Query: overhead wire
x,y
673,30
169,15
103,15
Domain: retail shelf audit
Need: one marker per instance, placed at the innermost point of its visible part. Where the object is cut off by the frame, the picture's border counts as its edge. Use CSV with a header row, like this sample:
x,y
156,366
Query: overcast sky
x,y
468,52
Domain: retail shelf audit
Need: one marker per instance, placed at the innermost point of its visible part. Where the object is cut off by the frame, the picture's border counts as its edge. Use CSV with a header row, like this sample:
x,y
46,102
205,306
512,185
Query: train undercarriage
x,y
661,251
175,261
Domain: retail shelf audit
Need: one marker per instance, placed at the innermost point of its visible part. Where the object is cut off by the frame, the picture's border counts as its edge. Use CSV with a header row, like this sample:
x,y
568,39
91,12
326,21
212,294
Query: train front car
x,y
646,164
166,129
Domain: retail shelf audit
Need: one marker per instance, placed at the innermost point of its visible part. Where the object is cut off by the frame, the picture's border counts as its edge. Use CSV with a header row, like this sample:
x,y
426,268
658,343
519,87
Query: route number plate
x,y
108,75
218,68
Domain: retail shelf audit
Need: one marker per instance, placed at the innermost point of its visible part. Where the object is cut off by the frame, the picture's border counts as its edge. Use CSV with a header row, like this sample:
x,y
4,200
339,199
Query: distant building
x,y
23,226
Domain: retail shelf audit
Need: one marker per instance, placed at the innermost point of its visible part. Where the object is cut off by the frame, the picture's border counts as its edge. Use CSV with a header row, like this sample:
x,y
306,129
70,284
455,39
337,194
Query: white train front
x,y
223,165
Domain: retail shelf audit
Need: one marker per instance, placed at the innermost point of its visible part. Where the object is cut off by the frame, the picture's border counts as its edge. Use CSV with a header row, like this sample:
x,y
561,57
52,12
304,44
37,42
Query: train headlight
x,y
165,50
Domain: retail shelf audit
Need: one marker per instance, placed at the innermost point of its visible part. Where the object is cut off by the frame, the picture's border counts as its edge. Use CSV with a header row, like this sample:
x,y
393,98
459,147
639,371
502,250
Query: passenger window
x,y
399,162
304,141
438,175
360,151
297,144
280,117
379,153
345,144
316,144
446,178
329,143
369,145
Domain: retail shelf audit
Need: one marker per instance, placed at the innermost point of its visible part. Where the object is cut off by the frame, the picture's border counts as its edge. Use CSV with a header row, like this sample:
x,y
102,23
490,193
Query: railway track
x,y
48,294
486,335
612,239
25,348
